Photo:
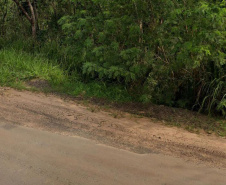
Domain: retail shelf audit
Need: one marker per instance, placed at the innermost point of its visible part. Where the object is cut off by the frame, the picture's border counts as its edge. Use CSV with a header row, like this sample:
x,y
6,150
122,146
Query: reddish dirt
x,y
126,131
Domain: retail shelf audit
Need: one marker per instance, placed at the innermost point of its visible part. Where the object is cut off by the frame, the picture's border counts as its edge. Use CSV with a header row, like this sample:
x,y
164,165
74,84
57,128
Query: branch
x,y
32,10
23,10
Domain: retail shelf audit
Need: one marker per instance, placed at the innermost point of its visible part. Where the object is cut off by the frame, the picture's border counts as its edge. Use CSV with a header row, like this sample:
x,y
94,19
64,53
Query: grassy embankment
x,y
17,67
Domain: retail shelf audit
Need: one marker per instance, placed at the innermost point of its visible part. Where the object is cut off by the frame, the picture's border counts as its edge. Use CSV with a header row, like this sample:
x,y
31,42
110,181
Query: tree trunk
x,y
31,18
36,14
3,30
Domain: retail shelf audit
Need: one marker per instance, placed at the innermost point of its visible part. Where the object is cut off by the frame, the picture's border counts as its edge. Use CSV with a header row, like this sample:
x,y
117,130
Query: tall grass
x,y
17,65
216,96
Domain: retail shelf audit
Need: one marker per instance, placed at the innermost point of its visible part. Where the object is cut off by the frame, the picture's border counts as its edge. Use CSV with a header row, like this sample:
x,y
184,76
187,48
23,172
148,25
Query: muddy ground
x,y
121,130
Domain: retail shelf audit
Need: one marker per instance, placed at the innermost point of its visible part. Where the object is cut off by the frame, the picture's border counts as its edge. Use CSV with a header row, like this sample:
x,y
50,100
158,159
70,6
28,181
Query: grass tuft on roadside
x,y
19,66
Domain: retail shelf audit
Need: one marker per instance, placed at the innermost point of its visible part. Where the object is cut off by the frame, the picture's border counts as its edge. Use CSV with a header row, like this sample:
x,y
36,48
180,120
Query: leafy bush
x,y
177,57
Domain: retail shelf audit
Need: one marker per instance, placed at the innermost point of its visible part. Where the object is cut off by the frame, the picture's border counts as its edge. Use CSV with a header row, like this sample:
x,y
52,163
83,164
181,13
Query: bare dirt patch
x,y
189,120
38,84
124,130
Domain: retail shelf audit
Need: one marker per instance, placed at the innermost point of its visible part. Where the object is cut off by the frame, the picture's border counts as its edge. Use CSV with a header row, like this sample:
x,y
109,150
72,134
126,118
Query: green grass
x,y
94,89
18,66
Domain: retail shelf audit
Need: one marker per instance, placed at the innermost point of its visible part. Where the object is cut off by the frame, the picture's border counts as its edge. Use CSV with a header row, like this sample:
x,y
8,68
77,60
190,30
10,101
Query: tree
x,y
4,10
31,15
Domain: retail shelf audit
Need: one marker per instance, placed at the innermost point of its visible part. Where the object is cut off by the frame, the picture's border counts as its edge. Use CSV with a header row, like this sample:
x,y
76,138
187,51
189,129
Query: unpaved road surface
x,y
33,157
155,154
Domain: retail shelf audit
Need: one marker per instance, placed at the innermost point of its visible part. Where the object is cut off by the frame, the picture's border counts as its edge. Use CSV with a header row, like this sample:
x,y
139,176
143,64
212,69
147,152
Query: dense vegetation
x,y
170,52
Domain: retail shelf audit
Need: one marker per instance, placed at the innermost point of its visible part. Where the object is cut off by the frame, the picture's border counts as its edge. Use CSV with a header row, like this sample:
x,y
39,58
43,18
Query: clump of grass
x,y
19,66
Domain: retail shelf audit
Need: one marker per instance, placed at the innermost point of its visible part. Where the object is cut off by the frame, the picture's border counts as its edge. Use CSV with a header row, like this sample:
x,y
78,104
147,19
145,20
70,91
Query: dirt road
x,y
158,154
32,157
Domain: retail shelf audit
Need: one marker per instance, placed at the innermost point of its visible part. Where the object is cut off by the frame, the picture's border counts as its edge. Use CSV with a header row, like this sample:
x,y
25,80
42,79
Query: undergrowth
x,y
18,66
